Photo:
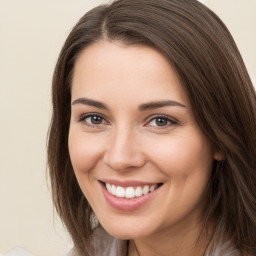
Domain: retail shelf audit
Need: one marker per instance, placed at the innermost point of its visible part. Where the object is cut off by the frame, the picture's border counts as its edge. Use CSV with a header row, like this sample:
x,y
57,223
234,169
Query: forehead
x,y
118,70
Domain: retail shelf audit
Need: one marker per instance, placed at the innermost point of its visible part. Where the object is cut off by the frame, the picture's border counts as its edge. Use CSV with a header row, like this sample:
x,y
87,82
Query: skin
x,y
127,143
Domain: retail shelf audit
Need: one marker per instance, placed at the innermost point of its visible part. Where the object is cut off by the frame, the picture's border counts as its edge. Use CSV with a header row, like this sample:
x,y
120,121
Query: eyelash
x,y
84,117
170,121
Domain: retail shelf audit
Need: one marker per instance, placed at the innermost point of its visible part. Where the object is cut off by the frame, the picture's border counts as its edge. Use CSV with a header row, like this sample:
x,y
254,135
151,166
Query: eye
x,y
92,119
161,121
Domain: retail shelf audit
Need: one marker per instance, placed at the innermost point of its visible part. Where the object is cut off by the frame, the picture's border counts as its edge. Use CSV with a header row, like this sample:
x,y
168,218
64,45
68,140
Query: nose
x,y
124,151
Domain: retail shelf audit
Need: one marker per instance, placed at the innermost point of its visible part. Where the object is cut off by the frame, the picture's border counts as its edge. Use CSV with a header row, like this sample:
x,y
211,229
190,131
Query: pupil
x,y
96,120
161,121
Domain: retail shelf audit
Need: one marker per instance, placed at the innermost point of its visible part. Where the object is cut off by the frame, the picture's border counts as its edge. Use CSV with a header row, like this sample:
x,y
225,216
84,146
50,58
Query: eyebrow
x,y
142,107
160,104
90,102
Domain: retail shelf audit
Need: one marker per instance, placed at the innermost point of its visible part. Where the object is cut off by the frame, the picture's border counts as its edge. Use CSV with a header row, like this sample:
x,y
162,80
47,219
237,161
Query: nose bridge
x,y
124,149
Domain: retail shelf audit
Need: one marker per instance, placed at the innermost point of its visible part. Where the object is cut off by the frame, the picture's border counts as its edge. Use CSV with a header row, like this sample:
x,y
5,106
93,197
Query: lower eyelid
x,y
168,119
82,119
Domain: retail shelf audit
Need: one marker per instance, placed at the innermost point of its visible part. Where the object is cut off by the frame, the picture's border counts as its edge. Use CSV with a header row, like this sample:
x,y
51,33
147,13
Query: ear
x,y
219,155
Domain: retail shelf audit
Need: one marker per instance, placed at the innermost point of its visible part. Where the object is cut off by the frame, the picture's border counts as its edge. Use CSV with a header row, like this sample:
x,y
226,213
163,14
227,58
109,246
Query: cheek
x,y
187,165
84,151
183,156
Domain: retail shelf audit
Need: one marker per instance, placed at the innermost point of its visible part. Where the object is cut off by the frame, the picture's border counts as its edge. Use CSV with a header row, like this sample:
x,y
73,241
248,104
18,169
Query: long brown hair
x,y
204,54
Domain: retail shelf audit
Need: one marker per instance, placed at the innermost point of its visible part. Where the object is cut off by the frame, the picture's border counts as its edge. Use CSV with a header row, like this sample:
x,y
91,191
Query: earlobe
x,y
219,155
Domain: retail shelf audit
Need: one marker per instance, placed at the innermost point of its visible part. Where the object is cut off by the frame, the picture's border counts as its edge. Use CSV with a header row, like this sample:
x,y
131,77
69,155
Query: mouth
x,y
129,196
131,191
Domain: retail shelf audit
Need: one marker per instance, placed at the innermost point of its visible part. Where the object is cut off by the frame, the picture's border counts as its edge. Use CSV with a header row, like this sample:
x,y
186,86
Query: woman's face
x,y
138,154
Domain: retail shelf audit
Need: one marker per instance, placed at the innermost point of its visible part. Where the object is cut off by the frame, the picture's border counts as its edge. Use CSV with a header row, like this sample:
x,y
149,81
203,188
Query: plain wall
x,y
31,35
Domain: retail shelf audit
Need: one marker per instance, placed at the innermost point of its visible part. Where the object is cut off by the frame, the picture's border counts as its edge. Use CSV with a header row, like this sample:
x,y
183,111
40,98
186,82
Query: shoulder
x,y
71,253
17,251
104,244
224,249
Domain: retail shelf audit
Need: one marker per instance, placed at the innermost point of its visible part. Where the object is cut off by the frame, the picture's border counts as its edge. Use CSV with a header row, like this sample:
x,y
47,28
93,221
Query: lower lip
x,y
124,204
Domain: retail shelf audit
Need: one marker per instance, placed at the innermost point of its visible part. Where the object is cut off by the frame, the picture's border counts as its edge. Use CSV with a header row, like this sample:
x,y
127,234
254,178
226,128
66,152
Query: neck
x,y
185,242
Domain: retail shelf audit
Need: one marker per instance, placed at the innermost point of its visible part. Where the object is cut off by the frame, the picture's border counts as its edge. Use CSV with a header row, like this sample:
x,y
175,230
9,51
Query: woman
x,y
152,144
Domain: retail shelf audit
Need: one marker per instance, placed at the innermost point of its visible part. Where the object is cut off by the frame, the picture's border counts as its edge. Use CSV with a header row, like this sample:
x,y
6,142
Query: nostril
x,y
123,154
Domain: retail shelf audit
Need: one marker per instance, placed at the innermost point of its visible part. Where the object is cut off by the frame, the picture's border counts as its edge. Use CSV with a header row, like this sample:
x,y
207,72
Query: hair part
x,y
205,56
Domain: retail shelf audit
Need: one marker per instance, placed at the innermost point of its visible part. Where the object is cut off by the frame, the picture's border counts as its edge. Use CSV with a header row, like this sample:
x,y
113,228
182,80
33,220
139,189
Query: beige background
x,y
31,35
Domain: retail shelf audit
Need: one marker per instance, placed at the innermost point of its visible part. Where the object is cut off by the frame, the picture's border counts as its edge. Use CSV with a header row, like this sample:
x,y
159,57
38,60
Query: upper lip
x,y
128,183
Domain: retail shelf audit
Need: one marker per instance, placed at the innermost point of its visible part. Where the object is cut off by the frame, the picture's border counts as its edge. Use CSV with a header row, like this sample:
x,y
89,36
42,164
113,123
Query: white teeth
x,y
152,188
130,192
138,192
145,190
113,190
108,186
120,192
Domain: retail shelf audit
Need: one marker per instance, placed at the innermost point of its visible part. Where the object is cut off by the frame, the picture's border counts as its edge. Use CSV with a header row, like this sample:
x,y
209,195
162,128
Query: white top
x,y
106,245
17,251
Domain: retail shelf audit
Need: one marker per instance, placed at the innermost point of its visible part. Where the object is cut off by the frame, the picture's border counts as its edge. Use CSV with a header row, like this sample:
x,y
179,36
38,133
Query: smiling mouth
x,y
131,192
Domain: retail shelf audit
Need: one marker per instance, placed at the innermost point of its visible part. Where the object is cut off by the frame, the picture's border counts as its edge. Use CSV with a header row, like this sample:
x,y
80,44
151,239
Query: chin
x,y
126,230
